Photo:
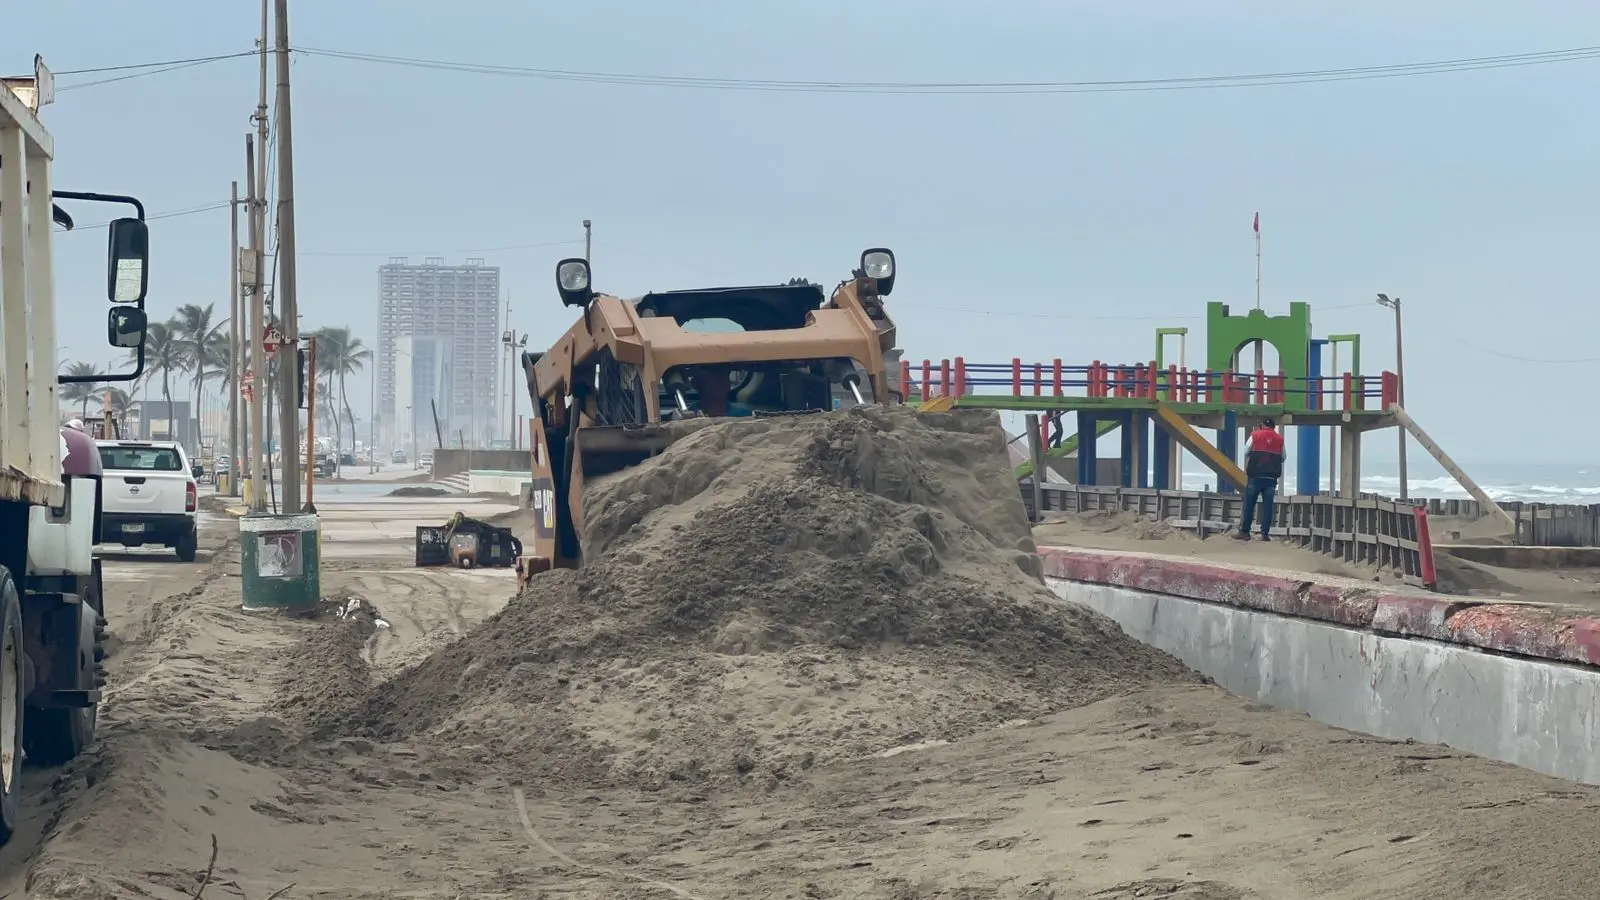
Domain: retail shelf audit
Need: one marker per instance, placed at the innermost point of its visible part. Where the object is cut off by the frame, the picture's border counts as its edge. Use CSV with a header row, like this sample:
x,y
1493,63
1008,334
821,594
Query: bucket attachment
x,y
466,543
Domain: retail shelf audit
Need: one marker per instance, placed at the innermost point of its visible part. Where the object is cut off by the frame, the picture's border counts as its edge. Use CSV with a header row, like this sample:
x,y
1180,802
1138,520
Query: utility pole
x,y
1400,388
235,357
586,242
258,326
284,285
372,427
256,188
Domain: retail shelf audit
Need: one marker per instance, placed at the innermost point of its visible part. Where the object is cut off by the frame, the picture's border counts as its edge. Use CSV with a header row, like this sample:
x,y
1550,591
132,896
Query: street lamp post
x,y
513,343
1400,386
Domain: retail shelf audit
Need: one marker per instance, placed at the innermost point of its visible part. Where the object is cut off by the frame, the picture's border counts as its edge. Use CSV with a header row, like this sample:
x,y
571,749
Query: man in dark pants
x,y
1263,466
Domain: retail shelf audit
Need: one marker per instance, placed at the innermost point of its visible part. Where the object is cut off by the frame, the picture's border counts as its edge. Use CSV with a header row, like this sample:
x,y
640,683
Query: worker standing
x,y
1263,466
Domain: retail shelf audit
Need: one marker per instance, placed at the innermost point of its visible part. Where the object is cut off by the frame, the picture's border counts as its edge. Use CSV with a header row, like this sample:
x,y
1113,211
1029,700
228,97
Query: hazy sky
x,y
1035,226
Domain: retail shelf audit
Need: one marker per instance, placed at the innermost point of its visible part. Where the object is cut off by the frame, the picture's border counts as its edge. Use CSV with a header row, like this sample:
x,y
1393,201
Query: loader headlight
x,y
572,280
878,264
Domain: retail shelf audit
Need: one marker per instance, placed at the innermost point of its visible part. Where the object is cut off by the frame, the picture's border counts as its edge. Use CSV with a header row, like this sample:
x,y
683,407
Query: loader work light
x,y
878,264
572,280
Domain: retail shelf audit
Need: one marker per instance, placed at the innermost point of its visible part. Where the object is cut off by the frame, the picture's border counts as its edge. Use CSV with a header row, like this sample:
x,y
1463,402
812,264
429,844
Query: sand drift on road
x,y
770,595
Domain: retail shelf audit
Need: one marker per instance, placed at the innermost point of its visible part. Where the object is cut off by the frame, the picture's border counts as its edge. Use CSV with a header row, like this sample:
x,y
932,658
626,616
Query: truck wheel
x,y
11,707
187,546
55,736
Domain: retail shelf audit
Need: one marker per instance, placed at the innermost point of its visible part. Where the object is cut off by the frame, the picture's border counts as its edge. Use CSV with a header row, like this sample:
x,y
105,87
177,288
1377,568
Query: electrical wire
x,y
1093,318
170,214
499,249
1524,359
146,69
1264,79
152,65
1172,83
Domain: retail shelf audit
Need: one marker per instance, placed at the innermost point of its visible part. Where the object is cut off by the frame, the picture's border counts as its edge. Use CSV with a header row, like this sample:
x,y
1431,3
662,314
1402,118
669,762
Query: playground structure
x,y
1160,407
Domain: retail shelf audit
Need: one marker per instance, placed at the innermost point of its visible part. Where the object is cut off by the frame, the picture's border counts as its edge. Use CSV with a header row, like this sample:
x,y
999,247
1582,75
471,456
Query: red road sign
x,y
272,340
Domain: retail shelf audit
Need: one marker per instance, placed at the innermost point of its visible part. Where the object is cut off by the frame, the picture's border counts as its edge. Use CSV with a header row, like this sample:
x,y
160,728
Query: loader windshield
x,y
769,308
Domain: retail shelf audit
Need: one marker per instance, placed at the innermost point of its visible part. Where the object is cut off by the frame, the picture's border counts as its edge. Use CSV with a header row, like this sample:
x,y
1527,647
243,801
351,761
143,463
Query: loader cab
x,y
741,388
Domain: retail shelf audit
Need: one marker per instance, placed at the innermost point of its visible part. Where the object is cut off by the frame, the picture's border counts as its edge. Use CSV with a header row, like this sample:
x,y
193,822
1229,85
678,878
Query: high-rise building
x,y
438,347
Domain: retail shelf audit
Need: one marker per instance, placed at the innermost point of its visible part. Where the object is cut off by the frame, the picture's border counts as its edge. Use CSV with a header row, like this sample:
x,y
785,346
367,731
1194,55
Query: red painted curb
x,y
1198,581
1525,630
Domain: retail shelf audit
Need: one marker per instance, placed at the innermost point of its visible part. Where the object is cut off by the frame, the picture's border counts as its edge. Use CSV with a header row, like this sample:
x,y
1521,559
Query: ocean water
x,y
1551,483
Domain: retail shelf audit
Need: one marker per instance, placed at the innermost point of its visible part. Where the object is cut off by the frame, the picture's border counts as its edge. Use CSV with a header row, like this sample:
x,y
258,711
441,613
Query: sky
x,y
1033,226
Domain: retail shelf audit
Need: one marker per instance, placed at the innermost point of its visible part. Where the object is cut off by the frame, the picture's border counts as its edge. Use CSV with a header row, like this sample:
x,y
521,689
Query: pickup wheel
x,y
12,691
187,546
56,736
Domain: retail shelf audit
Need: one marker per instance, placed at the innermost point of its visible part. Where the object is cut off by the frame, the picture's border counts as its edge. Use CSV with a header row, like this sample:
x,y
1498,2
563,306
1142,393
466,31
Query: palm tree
x,y
200,341
82,392
165,356
341,355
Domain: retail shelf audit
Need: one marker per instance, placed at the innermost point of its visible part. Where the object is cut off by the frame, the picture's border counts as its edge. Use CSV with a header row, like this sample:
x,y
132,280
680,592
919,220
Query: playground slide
x,y
1449,465
1173,424
1069,446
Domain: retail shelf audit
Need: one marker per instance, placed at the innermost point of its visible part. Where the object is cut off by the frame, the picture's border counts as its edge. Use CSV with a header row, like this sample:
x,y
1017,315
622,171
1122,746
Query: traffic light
x,y
300,375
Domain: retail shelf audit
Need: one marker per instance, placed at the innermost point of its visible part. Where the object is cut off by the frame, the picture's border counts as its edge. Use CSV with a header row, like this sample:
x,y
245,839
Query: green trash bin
x,y
280,562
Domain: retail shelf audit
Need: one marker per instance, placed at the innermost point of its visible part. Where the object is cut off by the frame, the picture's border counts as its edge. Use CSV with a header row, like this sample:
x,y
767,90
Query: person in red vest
x,y
1263,466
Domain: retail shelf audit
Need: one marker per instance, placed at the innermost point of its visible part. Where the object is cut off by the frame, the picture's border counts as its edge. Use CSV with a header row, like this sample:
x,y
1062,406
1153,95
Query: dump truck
x,y
51,612
605,394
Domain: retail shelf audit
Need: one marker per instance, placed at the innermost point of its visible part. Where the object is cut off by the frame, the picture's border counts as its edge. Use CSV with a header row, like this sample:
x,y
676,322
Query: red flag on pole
x,y
1257,225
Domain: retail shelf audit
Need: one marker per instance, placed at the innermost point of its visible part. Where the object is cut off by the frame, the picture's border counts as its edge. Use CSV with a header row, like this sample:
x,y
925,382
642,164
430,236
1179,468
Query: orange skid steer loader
x,y
607,395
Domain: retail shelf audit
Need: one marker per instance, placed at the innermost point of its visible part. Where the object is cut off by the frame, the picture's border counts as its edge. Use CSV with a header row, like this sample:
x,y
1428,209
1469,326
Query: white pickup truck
x,y
148,496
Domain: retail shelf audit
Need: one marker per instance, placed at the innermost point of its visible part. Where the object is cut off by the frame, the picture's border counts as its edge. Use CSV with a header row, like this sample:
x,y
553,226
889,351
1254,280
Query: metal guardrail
x,y
1383,534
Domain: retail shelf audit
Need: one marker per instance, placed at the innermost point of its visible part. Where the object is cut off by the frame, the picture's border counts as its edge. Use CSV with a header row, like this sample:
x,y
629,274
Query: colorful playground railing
x,y
1173,384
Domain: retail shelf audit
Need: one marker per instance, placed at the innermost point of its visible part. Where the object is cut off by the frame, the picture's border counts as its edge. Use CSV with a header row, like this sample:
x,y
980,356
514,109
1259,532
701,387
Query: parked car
x,y
148,496
399,456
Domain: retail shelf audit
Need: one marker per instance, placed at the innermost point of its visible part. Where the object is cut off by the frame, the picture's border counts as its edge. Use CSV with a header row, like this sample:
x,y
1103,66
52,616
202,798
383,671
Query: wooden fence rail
x,y
1383,534
1538,524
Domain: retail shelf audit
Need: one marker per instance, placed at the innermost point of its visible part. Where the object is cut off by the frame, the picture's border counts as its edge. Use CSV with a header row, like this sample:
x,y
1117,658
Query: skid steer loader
x,y
607,394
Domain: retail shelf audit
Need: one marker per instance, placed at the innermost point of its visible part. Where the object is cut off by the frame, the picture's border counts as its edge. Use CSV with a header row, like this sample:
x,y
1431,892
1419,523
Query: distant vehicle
x,y
398,456
224,465
426,462
149,496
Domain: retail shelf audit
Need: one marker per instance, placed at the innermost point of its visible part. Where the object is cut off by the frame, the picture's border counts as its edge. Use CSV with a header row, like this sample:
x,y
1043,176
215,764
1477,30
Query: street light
x,y
513,342
1400,387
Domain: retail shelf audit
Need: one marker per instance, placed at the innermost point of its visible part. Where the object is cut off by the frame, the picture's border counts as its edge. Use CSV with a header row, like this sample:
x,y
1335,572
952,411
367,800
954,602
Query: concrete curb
x,y
1522,629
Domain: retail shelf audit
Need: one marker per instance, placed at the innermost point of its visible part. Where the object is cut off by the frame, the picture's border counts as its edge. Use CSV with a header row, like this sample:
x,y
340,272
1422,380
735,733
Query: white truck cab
x,y
51,624
148,496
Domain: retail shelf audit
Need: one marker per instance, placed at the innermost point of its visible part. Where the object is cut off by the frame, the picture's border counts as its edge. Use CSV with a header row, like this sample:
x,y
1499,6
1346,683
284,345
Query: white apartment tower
x,y
452,312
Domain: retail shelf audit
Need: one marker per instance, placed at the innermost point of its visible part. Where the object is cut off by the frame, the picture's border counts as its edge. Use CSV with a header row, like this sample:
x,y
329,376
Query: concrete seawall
x,y
1518,683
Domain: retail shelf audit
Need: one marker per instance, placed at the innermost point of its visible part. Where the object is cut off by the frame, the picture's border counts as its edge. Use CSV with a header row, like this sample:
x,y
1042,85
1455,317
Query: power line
x,y
151,65
1173,83
141,70
1525,359
1093,318
1206,82
169,214
500,249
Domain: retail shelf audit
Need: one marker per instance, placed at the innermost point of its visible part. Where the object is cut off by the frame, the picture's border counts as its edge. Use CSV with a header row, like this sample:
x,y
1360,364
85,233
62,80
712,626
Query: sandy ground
x,y
1575,588
1179,792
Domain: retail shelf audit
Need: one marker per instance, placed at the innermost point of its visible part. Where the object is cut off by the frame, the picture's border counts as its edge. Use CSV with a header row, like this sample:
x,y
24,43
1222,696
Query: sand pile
x,y
769,595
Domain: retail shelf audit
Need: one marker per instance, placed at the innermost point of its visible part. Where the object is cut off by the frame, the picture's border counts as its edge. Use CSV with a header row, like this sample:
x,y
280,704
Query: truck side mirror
x,y
126,326
127,261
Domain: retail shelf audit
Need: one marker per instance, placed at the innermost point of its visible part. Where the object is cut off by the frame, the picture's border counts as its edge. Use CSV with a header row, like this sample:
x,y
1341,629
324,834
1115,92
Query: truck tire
x,y
56,736
12,692
187,546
